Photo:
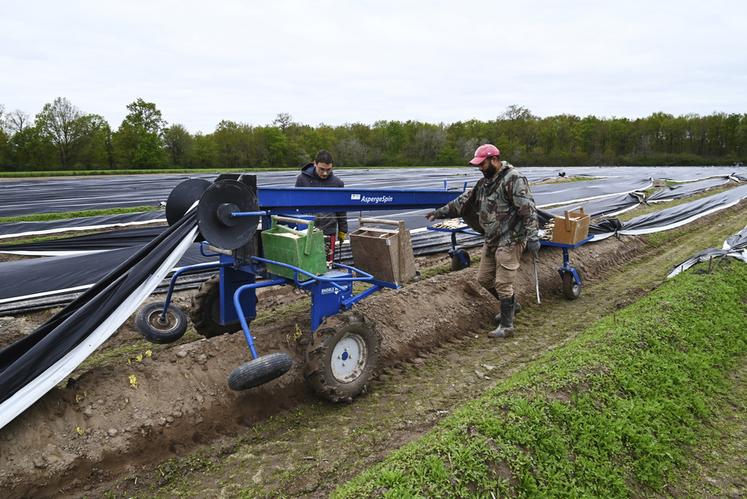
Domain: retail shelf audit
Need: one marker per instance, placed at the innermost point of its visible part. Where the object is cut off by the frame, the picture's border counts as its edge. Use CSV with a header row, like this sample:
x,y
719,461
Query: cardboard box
x,y
571,228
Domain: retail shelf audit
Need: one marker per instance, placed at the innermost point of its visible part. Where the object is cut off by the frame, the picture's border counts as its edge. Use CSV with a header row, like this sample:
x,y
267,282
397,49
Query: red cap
x,y
483,152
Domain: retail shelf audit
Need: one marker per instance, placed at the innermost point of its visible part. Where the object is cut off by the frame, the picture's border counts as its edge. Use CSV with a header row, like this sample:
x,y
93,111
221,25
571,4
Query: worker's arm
x,y
452,209
524,203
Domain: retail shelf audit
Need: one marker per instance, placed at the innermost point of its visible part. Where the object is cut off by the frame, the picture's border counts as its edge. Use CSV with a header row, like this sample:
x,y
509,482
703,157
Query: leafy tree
x,y
95,147
178,143
203,153
60,123
17,121
31,150
276,147
138,141
283,121
5,160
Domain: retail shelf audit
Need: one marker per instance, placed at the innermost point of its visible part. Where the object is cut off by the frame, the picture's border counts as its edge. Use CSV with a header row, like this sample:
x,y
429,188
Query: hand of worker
x,y
341,236
533,246
431,216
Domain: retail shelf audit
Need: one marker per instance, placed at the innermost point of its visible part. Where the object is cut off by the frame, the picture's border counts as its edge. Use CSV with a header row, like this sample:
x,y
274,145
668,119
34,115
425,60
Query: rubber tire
x,y
147,323
571,290
319,357
456,262
205,313
259,371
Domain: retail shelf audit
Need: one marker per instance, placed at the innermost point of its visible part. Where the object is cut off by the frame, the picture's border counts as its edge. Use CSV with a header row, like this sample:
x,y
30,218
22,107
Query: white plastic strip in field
x,y
51,252
81,228
56,292
45,293
47,380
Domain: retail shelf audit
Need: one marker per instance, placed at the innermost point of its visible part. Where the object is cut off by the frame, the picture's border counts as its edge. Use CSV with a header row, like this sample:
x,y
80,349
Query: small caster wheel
x,y
571,288
158,328
459,259
259,371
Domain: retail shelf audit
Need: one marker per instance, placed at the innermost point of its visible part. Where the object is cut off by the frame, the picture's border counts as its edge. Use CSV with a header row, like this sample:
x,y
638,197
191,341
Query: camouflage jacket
x,y
502,208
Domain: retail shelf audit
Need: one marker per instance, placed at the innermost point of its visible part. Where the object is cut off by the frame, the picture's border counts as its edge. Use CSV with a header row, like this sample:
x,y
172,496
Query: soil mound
x,y
112,419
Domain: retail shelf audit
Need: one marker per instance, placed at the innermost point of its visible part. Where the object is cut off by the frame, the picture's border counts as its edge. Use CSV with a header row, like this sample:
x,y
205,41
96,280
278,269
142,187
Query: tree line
x,y
61,136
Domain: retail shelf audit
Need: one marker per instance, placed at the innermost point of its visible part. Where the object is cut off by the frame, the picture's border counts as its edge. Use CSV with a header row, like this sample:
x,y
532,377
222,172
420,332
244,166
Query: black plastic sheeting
x,y
545,195
21,197
738,240
117,239
56,195
37,196
682,190
24,360
23,229
684,213
63,275
734,247
134,237
29,277
602,207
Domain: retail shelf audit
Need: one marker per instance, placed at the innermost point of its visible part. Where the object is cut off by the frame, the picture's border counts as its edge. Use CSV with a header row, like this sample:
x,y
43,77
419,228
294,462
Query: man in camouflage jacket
x,y
501,207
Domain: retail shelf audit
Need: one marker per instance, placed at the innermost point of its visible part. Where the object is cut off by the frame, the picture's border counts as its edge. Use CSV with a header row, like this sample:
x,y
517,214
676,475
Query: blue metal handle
x,y
332,280
238,214
203,245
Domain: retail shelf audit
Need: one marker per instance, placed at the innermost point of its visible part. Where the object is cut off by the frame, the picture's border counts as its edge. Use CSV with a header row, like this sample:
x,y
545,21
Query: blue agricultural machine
x,y
256,237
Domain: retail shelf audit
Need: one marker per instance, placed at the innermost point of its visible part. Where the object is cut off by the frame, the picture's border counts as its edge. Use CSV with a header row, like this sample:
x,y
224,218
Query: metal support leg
x,y
240,312
184,270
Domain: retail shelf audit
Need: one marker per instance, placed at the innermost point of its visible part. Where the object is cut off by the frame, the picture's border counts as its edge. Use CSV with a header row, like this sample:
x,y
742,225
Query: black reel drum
x,y
183,197
214,218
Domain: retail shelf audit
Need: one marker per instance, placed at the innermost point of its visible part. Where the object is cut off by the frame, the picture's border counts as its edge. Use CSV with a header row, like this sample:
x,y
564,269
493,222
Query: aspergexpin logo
x,y
371,199
377,199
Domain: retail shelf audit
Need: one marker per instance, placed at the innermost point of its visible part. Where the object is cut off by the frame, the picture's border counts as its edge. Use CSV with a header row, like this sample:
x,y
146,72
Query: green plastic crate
x,y
301,248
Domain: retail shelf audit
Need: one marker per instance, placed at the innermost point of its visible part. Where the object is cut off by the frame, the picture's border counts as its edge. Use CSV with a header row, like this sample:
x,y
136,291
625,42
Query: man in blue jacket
x,y
319,174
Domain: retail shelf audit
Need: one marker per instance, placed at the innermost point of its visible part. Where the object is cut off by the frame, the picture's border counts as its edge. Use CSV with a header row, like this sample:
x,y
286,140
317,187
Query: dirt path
x,y
308,450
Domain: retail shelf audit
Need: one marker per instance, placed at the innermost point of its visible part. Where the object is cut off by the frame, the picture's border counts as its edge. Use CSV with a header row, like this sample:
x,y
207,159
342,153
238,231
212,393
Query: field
x,y
636,388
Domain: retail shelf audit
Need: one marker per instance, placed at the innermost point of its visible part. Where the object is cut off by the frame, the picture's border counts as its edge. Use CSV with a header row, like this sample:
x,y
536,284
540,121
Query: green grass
x,y
610,414
565,180
46,217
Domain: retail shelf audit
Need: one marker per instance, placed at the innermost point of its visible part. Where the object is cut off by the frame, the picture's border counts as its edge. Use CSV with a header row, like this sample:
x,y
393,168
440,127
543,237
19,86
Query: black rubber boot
x,y
506,328
517,309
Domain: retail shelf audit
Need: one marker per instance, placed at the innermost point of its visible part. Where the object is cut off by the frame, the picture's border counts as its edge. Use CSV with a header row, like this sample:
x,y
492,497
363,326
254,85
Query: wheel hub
x,y
158,321
349,358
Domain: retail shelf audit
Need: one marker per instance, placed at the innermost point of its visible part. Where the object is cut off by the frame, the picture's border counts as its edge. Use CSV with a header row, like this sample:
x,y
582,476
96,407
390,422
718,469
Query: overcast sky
x,y
340,62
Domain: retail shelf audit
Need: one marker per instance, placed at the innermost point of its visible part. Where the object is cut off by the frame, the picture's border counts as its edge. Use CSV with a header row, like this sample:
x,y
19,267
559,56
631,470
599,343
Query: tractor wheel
x,y
460,260
205,312
259,371
342,358
158,329
571,289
